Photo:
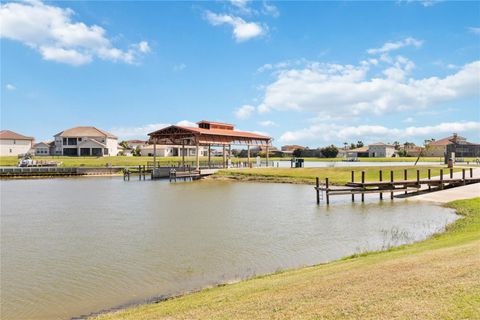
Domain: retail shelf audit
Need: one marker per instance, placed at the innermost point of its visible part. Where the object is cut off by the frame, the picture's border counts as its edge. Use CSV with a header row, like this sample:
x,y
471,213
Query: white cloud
x,y
10,87
242,30
475,30
267,123
329,133
409,120
51,31
390,46
244,112
346,90
142,132
179,67
270,9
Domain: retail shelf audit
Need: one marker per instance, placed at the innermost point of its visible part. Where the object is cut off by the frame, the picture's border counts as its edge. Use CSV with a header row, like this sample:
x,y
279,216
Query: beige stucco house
x,y
85,141
438,148
14,144
43,148
381,150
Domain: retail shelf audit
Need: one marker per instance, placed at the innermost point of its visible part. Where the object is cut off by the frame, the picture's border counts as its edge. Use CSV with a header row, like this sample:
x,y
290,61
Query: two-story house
x,y
14,144
85,141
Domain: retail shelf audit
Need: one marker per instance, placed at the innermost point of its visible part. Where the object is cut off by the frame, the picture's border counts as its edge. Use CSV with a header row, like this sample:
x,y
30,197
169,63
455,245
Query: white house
x,y
14,144
43,148
381,150
171,150
85,141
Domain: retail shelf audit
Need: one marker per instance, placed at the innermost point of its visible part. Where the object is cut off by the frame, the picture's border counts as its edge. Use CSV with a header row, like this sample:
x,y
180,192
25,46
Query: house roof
x,y
380,144
445,141
10,135
92,141
210,136
85,131
216,123
48,144
136,141
361,149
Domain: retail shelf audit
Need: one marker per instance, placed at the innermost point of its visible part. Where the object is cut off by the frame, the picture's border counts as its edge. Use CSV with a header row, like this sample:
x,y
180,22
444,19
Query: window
x,y
65,141
72,141
79,139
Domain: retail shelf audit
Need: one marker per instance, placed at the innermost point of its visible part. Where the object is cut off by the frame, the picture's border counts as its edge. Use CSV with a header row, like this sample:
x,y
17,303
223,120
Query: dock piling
x,y
326,191
463,176
441,179
451,173
363,187
405,175
318,189
429,178
391,180
471,172
381,179
353,180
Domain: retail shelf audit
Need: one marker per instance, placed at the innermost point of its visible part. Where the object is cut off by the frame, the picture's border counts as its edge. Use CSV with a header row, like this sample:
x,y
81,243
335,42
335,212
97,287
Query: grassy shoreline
x,y
336,175
432,279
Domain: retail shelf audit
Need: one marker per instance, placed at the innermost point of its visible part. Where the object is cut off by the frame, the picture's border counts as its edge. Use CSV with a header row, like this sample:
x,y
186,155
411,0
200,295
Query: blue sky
x,y
310,73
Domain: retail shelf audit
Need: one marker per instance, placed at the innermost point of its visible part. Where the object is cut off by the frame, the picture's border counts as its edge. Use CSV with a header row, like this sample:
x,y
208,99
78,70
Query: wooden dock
x,y
391,186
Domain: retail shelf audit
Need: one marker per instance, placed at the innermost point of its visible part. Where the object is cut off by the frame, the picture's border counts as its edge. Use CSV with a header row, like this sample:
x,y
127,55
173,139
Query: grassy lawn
x,y
434,279
390,159
337,175
103,161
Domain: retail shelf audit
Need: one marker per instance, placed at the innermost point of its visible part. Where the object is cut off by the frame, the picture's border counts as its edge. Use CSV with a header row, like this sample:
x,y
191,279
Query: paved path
x,y
457,193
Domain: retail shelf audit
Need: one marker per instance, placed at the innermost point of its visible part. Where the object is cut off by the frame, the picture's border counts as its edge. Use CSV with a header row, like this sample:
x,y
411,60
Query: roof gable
x,y
10,135
85,131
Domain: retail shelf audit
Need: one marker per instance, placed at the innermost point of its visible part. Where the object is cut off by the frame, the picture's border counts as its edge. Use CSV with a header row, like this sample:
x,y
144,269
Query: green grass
x,y
103,161
390,159
433,279
336,175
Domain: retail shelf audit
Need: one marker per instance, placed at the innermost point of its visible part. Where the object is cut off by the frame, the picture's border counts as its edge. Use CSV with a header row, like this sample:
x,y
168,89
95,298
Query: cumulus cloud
x,y
244,112
51,31
242,30
267,123
334,89
390,46
10,87
337,133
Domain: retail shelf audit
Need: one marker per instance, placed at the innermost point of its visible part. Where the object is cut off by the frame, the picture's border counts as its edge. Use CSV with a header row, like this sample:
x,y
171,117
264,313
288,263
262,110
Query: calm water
x,y
74,246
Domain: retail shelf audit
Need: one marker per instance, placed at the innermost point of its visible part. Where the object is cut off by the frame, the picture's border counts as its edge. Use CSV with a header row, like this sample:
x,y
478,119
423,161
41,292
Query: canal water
x,y
74,246
335,164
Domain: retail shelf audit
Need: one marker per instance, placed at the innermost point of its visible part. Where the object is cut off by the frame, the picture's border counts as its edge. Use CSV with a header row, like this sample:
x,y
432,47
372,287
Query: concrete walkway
x,y
457,193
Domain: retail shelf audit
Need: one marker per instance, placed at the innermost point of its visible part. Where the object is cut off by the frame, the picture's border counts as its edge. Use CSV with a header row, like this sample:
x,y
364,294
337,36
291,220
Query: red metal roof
x,y
10,135
221,132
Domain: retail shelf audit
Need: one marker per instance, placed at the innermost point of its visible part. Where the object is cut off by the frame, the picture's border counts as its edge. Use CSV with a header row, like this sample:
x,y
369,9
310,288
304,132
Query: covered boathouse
x,y
208,134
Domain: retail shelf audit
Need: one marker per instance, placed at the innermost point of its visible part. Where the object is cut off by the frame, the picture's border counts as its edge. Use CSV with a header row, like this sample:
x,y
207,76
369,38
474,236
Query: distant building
x,y
85,141
361,152
133,144
14,144
288,150
438,148
44,148
381,150
411,150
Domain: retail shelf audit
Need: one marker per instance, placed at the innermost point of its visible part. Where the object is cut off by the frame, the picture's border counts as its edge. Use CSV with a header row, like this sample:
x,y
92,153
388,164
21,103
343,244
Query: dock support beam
x,y
463,177
224,157
183,153
197,154
441,179
248,156
405,177
267,154
154,153
317,183
229,154
429,178
209,155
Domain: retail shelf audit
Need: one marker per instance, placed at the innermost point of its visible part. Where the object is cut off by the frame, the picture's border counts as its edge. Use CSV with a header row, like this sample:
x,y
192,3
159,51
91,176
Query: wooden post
x,y
441,179
393,186
418,177
183,154
429,178
317,183
267,154
154,153
463,177
353,180
248,155
363,181
451,173
405,177
326,191
381,178
144,172
139,172
224,157
209,155
229,153
197,153
471,172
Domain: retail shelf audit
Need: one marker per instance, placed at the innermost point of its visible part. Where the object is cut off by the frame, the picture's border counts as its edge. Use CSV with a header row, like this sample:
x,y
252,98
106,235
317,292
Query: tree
x,y
353,145
359,144
330,151
124,144
396,144
345,144
297,153
137,152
